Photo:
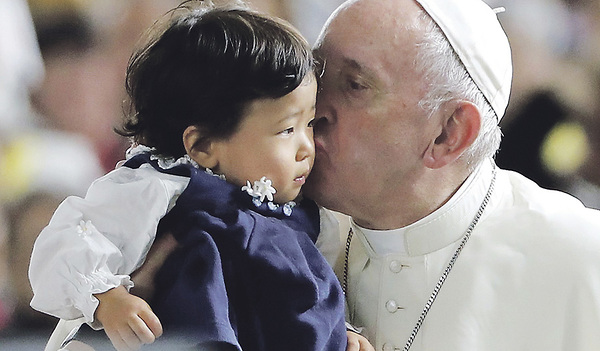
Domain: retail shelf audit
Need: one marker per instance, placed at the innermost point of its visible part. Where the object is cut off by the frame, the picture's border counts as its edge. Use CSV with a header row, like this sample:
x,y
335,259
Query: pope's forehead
x,y
367,25
387,19
366,38
382,9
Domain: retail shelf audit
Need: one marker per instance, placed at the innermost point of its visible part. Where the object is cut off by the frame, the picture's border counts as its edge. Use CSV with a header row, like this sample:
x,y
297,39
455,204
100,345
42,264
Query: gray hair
x,y
447,79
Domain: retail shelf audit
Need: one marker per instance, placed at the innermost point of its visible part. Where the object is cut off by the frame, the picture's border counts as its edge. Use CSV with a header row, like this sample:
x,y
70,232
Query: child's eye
x,y
312,123
287,131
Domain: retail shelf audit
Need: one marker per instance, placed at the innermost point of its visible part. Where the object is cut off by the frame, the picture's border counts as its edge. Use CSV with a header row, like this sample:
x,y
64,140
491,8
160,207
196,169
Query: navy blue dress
x,y
244,275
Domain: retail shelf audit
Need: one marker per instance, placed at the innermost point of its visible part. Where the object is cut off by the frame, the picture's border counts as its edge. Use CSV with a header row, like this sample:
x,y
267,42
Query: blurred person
x,y
26,218
37,171
81,91
38,167
522,145
585,180
546,128
543,36
5,302
21,68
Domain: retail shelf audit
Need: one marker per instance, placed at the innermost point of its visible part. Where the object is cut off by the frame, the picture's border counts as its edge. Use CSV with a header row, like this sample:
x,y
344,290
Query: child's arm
x,y
128,320
92,244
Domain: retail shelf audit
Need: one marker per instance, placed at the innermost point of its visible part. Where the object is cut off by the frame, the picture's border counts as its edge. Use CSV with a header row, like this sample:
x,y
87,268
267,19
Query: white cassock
x,y
527,279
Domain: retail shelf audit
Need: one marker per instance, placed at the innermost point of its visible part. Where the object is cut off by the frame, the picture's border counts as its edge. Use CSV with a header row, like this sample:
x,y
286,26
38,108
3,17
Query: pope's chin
x,y
316,188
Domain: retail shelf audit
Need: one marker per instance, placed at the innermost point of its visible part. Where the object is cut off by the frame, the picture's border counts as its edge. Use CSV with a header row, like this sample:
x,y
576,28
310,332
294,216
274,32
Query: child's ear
x,y
458,131
200,147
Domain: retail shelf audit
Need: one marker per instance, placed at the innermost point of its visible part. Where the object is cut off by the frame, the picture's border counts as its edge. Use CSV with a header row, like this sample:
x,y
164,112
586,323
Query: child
x,y
224,102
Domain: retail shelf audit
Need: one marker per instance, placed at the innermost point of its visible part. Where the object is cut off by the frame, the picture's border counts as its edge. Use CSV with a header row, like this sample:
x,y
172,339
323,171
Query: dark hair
x,y
205,68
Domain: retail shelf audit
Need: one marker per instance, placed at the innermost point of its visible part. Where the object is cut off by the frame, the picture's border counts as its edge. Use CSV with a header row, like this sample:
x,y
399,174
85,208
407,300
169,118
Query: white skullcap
x,y
474,32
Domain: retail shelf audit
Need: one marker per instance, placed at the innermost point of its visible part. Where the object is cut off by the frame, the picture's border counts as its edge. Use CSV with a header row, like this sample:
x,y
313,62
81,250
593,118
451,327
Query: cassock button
x,y
391,306
396,266
388,347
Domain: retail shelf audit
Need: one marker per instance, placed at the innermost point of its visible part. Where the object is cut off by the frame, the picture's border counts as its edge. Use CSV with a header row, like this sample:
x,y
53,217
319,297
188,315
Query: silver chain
x,y
442,279
345,276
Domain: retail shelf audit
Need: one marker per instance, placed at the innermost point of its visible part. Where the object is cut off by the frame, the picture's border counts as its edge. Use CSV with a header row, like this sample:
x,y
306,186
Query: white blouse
x,y
92,244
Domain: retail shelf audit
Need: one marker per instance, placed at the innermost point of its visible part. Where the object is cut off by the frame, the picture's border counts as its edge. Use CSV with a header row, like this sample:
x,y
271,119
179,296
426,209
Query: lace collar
x,y
163,162
259,191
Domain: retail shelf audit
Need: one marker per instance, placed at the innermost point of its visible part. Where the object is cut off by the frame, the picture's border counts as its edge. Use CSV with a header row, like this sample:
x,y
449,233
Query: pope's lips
x,y
320,151
319,145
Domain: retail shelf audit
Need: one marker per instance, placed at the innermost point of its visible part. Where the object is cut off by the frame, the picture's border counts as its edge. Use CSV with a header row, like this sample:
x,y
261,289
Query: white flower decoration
x,y
262,188
84,228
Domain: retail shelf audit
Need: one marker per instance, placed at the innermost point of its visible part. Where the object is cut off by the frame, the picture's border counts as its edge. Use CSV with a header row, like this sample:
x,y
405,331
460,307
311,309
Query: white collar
x,y
441,228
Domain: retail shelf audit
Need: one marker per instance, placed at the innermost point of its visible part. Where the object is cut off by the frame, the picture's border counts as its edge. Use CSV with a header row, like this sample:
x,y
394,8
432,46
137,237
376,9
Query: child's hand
x,y
357,342
128,320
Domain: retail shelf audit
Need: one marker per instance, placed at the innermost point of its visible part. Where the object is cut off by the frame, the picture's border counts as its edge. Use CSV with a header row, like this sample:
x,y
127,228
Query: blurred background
x,y
62,71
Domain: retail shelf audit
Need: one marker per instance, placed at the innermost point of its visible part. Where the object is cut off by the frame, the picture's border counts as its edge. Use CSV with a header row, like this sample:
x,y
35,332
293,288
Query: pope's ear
x,y
200,147
458,131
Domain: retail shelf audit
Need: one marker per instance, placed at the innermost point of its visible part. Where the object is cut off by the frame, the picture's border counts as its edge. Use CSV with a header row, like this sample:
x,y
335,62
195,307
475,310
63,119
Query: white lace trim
x,y
163,162
260,190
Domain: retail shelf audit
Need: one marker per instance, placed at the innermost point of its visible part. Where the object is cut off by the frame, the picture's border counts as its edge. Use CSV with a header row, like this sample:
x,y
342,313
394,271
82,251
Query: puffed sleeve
x,y
92,244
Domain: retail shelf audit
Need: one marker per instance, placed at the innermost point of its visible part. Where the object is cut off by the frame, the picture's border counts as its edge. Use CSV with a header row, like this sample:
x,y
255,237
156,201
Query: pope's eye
x,y
355,85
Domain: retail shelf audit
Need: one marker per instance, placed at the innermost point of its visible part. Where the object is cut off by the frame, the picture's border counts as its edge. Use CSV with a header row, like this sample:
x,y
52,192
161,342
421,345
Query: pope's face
x,y
371,133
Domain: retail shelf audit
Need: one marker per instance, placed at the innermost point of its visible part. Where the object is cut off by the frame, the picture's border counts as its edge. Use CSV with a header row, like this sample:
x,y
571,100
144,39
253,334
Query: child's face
x,y
275,140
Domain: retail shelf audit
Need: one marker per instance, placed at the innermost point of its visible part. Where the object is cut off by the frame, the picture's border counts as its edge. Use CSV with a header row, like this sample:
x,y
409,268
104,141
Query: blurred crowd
x,y
552,127
62,71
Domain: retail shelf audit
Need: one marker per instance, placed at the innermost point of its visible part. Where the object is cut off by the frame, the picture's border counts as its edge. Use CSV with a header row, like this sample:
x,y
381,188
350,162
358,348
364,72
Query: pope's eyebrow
x,y
365,73
362,70
353,64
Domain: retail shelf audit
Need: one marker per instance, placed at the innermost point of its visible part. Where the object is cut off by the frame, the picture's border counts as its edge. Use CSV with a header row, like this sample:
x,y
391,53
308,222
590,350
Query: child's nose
x,y
306,148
